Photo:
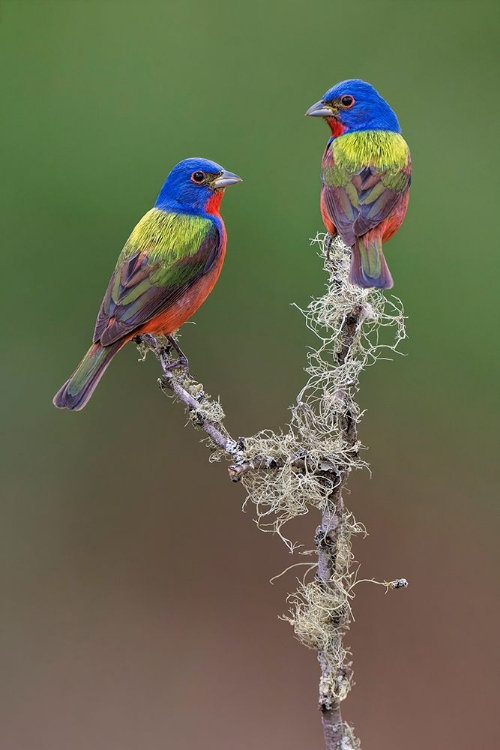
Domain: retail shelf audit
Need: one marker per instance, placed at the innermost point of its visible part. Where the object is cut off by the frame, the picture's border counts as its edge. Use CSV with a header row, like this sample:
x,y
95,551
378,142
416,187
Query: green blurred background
x,y
136,605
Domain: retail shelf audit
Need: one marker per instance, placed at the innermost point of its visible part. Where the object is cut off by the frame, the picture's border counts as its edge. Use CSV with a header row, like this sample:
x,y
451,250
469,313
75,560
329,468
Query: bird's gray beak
x,y
225,179
320,109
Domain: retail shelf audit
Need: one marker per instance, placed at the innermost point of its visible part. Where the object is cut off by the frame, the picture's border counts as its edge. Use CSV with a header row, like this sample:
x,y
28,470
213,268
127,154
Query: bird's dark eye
x,y
347,101
198,177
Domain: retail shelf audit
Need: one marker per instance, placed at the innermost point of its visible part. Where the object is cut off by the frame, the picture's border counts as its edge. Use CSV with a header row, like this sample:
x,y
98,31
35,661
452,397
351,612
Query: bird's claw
x,y
163,351
168,365
182,361
328,248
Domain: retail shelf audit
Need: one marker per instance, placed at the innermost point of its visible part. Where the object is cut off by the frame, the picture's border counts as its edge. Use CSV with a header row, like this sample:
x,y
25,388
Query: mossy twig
x,y
306,466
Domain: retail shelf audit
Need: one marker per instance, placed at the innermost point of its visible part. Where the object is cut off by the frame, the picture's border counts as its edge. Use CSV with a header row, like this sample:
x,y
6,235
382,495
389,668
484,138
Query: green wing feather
x,y
163,257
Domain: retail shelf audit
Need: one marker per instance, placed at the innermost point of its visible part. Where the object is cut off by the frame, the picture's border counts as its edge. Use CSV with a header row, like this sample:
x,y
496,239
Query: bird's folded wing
x,y
358,201
152,274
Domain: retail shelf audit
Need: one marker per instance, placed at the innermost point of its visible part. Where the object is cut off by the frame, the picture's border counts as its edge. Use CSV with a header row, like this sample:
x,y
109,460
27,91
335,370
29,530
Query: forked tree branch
x,y
178,379
289,473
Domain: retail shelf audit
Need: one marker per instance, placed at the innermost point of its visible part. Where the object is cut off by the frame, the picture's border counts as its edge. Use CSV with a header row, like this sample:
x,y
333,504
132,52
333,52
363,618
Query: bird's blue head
x,y
195,186
352,106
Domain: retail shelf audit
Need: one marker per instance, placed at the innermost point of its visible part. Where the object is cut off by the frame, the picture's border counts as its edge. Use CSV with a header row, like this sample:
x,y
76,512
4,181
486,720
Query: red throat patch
x,y
213,203
335,126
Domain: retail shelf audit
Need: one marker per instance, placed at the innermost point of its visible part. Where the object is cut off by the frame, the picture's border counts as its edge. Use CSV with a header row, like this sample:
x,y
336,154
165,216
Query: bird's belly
x,y
170,320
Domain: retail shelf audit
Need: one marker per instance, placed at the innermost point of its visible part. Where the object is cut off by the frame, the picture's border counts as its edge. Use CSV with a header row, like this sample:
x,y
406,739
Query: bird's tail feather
x,y
368,264
76,391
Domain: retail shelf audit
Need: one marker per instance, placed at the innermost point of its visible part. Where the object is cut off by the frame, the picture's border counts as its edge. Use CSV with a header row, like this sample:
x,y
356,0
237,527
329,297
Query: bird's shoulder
x,y
382,150
164,235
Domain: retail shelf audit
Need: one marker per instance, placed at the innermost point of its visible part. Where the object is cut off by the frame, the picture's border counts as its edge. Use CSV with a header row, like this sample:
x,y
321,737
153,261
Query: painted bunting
x,y
365,175
167,269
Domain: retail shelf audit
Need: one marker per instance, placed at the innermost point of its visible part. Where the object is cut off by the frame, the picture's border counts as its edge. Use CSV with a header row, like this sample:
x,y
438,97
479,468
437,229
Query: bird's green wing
x,y
163,257
364,178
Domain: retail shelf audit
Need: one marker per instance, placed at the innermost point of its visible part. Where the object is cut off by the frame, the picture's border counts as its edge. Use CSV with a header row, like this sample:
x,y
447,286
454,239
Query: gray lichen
x,y
327,398
305,466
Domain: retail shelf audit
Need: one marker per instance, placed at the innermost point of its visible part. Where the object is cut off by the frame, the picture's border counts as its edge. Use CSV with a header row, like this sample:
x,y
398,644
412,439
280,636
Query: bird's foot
x,y
328,248
183,360
176,364
168,365
147,340
163,350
